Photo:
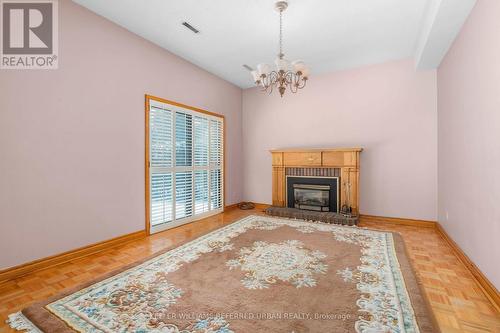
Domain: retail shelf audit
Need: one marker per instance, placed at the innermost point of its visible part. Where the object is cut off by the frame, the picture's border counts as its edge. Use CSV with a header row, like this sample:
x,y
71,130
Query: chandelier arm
x,y
269,80
288,76
263,81
299,79
269,86
297,82
263,85
274,77
266,88
304,84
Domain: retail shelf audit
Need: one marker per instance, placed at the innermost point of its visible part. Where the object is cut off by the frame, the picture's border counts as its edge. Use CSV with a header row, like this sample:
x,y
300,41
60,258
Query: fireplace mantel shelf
x,y
345,160
308,150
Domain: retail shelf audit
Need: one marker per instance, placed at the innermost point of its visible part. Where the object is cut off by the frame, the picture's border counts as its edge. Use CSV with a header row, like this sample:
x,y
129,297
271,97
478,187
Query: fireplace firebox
x,y
312,197
313,193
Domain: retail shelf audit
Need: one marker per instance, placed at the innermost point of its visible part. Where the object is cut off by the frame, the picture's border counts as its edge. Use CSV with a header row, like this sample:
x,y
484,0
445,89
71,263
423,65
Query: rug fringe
x,y
20,323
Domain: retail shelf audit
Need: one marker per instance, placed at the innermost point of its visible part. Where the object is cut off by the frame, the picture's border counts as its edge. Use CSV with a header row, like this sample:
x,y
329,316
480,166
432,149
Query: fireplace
x,y
313,193
337,167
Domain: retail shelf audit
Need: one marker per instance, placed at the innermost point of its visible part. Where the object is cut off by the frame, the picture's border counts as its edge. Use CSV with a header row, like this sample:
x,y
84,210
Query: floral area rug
x,y
259,274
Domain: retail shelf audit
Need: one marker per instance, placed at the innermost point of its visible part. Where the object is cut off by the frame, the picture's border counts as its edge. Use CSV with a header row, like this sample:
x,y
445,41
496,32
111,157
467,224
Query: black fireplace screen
x,y
313,193
312,197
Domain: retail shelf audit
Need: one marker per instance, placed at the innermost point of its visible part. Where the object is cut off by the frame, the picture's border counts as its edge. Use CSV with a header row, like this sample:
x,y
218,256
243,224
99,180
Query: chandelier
x,y
291,75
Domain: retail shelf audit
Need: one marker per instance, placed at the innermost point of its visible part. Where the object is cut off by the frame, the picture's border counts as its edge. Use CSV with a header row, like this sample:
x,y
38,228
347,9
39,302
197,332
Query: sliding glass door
x,y
186,159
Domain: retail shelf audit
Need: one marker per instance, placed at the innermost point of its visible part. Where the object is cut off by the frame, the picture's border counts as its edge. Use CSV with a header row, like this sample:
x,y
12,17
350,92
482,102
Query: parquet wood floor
x,y
456,300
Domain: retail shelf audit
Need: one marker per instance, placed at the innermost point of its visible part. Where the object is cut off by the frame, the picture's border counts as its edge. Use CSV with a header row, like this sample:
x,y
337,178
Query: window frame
x,y
194,111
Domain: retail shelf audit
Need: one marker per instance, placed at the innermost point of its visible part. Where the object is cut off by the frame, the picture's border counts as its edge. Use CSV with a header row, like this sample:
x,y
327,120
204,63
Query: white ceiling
x,y
328,35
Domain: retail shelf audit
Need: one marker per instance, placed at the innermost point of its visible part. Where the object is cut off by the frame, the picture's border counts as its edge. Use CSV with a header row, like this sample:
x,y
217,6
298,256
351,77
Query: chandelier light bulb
x,y
263,69
305,71
299,66
255,75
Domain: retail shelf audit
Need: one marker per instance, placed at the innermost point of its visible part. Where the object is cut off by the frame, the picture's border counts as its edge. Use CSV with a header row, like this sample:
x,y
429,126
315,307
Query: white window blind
x,y
216,158
216,143
161,198
183,194
201,192
161,137
201,141
186,165
215,189
183,139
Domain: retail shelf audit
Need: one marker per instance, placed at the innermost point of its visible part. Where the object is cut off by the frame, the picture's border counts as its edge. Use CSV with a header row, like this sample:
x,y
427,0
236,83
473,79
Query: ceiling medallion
x,y
292,75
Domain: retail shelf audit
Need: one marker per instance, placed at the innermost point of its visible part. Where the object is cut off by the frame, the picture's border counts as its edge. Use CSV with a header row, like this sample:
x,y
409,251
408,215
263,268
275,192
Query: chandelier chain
x,y
281,35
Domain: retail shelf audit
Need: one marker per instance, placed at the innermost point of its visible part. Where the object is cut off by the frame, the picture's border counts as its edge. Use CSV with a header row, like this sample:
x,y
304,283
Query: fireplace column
x,y
279,183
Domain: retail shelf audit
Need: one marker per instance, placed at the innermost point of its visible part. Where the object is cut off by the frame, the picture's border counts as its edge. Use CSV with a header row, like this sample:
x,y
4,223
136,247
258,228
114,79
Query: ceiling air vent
x,y
248,67
190,27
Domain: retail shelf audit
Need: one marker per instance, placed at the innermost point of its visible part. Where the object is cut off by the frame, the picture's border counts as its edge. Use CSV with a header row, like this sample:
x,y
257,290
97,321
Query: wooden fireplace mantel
x,y
346,160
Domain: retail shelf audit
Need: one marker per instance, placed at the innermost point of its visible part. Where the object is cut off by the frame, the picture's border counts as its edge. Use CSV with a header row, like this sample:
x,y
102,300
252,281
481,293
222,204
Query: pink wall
x,y
388,109
72,139
469,139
